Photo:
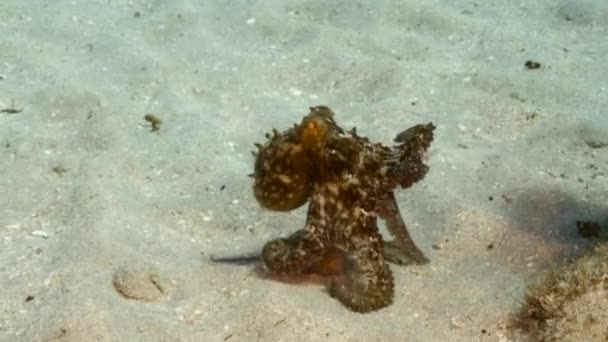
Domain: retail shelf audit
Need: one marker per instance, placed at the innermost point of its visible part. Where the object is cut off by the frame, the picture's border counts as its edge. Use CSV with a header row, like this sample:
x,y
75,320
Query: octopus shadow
x,y
550,225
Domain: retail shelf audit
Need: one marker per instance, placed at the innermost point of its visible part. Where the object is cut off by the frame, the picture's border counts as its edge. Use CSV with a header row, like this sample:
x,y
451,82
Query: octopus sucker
x,y
348,183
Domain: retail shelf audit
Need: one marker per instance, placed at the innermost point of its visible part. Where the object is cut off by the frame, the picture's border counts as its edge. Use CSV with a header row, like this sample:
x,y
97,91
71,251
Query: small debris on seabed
x,y
588,229
40,233
11,110
154,121
596,143
140,283
59,170
440,245
455,323
532,65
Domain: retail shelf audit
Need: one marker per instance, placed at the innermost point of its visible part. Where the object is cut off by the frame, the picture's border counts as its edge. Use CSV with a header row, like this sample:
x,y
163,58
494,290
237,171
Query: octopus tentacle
x,y
294,255
366,282
389,212
405,167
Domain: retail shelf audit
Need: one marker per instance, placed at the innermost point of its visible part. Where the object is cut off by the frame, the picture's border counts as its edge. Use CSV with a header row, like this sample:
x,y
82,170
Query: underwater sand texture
x,y
108,217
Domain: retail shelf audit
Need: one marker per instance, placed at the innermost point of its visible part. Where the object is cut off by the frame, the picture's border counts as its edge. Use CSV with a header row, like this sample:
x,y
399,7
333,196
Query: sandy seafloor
x,y
90,195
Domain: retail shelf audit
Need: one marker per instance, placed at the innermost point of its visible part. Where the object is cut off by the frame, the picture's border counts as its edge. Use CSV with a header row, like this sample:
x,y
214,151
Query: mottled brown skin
x,y
349,182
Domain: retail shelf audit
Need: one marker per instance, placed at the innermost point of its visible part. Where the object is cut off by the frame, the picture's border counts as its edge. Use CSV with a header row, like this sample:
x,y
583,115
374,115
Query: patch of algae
x,y
570,304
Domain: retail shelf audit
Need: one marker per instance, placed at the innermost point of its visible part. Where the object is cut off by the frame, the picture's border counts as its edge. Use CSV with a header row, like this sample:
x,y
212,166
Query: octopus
x,y
349,183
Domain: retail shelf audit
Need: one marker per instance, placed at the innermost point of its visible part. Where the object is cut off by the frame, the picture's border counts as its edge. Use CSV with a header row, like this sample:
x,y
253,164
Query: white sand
x,y
91,196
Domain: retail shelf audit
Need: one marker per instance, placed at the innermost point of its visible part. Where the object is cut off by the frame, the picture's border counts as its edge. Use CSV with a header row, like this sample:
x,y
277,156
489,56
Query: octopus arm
x,y
403,246
366,282
295,255
406,165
